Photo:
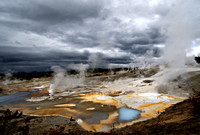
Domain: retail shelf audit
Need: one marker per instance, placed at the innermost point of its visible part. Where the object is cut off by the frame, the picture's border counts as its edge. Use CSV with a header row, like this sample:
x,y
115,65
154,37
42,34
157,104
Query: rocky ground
x,y
12,123
181,118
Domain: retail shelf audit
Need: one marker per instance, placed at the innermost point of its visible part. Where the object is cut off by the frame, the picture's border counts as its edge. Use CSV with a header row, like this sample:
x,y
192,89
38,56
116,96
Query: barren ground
x,y
180,118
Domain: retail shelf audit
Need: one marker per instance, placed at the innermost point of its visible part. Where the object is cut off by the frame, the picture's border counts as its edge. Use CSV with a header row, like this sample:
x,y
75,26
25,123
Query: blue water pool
x,y
127,114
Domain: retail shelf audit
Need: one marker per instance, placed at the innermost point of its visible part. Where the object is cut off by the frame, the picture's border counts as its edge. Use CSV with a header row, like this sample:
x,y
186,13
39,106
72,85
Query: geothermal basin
x,y
101,106
100,112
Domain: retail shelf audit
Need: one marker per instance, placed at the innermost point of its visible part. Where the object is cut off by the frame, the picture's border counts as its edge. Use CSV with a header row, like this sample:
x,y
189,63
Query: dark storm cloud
x,y
140,43
52,32
50,11
38,16
24,54
81,39
14,59
23,60
151,36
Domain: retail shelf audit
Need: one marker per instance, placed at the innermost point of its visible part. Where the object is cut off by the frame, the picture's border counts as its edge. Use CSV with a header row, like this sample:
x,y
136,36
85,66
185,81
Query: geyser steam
x,y
180,27
63,81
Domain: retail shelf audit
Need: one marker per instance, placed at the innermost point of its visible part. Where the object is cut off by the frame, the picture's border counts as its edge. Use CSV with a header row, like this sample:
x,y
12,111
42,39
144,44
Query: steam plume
x,y
180,28
95,60
63,81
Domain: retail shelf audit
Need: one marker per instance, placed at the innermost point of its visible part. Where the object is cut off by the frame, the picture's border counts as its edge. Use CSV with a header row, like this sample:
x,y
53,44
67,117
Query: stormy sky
x,y
38,34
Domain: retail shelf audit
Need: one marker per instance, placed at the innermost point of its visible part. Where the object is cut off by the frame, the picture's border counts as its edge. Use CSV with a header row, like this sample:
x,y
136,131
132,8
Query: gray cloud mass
x,y
38,34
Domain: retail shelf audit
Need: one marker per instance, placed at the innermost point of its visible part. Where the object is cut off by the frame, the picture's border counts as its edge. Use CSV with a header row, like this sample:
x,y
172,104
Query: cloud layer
x,y
37,34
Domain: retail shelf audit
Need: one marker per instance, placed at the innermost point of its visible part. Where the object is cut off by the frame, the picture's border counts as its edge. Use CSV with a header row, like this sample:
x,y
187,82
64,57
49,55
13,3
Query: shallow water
x,y
96,117
16,97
